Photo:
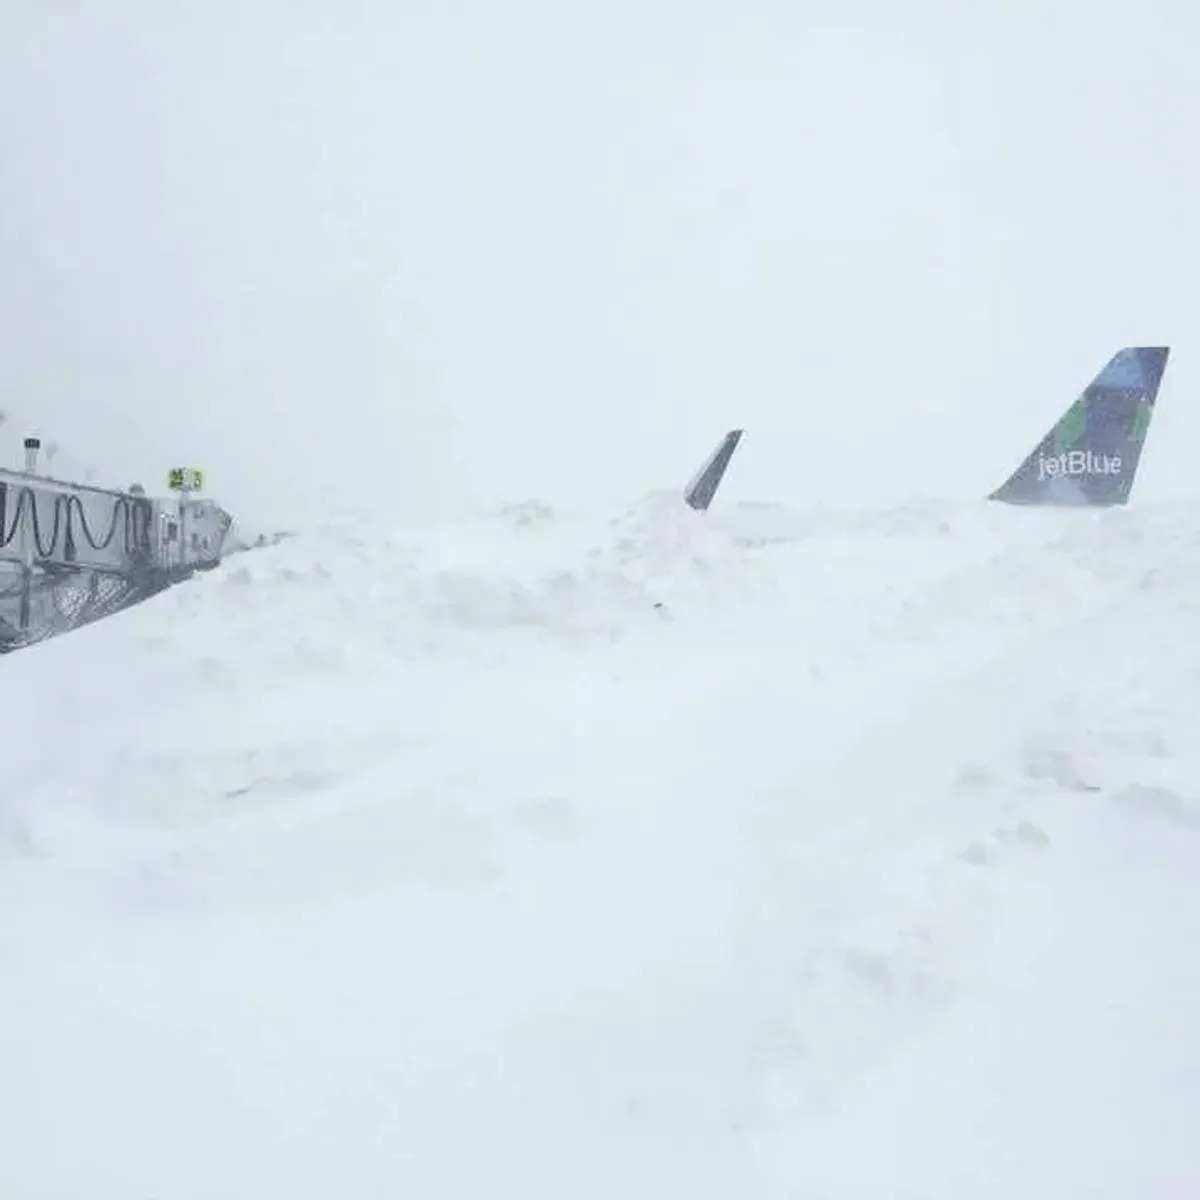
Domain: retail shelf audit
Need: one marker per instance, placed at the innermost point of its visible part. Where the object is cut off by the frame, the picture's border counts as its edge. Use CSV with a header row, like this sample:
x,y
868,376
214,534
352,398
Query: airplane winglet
x,y
700,491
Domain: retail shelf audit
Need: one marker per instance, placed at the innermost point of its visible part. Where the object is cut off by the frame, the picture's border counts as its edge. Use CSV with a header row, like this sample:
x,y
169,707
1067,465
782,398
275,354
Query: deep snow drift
x,y
770,854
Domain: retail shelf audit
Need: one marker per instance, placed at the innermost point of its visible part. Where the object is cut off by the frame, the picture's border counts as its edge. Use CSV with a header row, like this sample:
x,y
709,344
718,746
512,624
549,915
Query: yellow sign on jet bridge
x,y
185,479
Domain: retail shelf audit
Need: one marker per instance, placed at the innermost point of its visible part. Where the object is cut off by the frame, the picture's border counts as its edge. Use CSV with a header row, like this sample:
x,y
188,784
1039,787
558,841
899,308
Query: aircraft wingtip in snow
x,y
1090,458
700,491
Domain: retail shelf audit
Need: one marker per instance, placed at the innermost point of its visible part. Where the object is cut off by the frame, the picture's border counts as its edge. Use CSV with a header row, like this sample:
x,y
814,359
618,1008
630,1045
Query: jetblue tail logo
x,y
1077,462
1091,456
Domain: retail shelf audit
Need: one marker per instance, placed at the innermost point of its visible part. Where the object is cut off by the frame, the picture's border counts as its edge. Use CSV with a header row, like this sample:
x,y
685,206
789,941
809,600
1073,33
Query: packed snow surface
x,y
763,854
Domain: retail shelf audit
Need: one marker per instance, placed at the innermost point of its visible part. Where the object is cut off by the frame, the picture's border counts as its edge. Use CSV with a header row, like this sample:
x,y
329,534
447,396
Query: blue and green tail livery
x,y
1091,456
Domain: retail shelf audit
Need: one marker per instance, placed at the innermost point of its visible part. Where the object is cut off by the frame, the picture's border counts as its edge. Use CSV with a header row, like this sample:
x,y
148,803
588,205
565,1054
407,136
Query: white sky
x,y
446,252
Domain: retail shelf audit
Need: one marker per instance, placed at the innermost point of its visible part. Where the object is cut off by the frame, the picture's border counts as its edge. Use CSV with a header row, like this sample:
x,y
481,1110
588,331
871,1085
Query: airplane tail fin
x,y
1091,456
700,491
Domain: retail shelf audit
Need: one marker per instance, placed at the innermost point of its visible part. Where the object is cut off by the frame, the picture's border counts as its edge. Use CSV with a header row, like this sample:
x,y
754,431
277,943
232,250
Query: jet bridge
x,y
72,552
68,526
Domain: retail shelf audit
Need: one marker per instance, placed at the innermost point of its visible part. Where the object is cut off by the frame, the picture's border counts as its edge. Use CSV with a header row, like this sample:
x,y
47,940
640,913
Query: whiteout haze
x,y
1077,462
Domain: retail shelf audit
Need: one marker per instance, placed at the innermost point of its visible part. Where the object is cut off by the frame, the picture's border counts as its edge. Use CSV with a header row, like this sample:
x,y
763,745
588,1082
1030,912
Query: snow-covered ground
x,y
769,854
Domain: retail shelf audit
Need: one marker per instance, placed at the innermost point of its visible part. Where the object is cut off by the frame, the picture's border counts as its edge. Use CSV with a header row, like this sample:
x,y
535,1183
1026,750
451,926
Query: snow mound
x,y
378,843
538,577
